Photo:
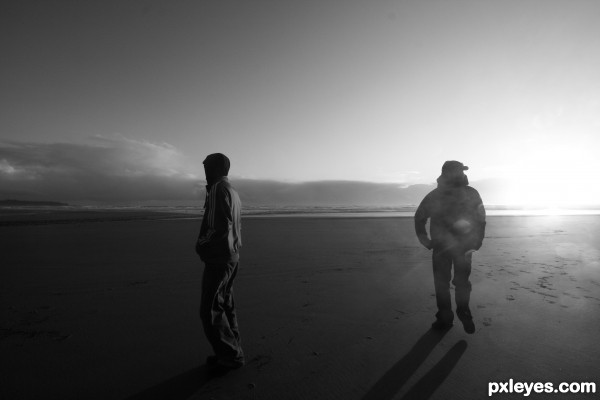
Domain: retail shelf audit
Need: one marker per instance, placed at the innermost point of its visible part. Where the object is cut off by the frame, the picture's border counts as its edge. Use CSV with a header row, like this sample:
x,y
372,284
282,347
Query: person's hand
x,y
426,242
469,255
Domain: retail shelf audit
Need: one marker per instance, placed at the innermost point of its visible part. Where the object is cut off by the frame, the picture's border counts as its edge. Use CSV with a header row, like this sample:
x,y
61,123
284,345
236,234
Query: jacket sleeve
x,y
478,218
214,241
422,214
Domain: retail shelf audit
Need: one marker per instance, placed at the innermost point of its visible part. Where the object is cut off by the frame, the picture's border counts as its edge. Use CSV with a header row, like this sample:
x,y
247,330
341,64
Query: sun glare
x,y
555,177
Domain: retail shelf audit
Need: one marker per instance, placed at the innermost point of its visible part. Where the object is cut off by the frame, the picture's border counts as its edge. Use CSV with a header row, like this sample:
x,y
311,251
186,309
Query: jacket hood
x,y
216,166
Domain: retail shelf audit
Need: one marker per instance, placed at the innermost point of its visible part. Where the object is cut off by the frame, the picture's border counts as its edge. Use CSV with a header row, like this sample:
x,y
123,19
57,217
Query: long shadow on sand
x,y
425,387
178,387
390,384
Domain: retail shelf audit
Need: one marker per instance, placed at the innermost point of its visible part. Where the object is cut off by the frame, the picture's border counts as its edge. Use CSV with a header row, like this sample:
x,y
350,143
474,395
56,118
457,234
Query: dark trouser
x,y
217,311
442,274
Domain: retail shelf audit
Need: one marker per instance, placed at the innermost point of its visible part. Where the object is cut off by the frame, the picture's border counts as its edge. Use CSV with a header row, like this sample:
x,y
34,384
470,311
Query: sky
x,y
122,97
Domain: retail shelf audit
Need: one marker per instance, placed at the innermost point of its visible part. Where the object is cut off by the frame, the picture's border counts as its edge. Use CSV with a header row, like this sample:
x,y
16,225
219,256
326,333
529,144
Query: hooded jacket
x,y
457,216
220,236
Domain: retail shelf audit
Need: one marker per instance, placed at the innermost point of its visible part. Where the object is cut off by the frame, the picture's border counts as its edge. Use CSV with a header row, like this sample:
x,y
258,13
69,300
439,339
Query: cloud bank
x,y
103,169
121,170
118,170
329,193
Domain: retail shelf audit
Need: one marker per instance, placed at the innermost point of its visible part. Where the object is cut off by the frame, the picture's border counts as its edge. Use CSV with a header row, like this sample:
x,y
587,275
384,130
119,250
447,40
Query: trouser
x,y
443,260
217,310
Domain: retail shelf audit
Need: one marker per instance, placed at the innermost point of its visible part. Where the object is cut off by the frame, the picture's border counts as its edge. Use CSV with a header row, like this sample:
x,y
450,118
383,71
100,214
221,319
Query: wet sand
x,y
329,308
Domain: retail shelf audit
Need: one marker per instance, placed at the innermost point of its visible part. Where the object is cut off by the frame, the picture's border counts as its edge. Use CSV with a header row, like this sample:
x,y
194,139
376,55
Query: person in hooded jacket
x,y
457,228
218,246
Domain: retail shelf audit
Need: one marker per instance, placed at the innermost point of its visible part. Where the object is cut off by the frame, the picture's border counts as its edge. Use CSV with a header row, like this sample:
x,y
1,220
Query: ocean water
x,y
406,212
194,211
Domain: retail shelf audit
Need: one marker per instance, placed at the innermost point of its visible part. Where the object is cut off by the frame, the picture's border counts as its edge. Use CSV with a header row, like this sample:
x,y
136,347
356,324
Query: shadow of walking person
x,y
393,380
428,384
179,387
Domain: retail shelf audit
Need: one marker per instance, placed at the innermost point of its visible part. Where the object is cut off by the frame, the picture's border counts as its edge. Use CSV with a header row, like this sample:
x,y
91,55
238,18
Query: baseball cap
x,y
451,166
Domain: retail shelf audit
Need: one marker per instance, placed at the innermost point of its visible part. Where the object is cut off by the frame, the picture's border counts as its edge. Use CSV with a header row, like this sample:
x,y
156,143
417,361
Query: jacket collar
x,y
211,183
445,183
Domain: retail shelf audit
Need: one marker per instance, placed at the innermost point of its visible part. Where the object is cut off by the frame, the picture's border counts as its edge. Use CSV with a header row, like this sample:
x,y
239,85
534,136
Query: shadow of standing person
x,y
179,387
393,380
433,379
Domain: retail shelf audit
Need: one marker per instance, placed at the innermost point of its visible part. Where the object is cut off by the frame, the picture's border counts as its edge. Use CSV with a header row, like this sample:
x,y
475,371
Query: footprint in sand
x,y
592,298
510,297
487,321
261,361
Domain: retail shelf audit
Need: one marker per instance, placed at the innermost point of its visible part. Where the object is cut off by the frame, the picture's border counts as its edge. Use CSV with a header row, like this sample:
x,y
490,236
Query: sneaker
x,y
467,321
440,325
468,325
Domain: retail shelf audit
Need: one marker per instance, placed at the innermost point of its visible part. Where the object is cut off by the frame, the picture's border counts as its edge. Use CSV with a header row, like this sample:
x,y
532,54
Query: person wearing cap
x,y
457,229
218,246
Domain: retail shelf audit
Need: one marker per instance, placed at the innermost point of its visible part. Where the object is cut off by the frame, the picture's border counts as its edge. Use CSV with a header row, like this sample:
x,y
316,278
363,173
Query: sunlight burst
x,y
553,177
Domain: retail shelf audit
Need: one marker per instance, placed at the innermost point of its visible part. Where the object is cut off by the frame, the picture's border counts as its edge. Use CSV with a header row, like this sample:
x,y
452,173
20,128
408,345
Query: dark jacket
x,y
220,236
457,216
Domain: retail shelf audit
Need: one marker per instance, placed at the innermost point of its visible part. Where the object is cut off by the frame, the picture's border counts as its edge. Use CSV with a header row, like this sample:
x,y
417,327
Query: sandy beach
x,y
329,308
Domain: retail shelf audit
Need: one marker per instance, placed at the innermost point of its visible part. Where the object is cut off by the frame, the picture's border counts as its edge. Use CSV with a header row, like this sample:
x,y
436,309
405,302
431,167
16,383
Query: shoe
x,y
440,325
469,326
467,320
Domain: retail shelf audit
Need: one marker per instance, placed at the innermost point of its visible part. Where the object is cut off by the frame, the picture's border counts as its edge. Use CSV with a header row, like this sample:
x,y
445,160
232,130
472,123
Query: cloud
x,y
102,168
117,169
328,193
